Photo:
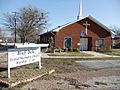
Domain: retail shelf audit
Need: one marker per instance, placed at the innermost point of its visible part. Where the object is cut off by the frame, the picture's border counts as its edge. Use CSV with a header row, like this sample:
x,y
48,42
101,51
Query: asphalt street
x,y
99,64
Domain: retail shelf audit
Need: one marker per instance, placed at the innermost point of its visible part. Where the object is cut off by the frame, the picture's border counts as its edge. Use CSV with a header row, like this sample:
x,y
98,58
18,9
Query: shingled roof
x,y
90,17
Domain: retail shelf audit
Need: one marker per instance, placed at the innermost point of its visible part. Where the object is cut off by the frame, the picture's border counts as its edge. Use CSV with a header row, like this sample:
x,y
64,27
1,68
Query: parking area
x,y
99,64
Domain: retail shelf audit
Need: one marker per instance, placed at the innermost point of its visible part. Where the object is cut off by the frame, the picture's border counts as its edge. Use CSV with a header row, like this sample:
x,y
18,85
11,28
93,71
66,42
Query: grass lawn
x,y
115,52
69,54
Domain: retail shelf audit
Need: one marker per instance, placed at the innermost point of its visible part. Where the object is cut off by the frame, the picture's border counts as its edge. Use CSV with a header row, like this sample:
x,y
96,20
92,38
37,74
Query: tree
x,y
2,35
116,40
115,29
27,23
51,44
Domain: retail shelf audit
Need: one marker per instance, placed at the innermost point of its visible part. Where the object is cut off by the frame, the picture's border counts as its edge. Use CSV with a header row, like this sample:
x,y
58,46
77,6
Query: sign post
x,y
40,66
8,72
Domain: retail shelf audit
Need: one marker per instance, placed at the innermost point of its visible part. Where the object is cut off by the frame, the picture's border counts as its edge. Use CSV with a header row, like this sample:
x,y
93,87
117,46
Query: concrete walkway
x,y
94,55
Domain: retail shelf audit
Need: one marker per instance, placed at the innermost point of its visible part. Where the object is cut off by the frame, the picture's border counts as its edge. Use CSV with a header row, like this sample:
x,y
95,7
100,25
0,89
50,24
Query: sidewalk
x,y
95,55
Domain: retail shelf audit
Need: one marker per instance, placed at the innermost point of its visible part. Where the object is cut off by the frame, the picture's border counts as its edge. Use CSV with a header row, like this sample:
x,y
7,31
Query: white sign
x,y
23,56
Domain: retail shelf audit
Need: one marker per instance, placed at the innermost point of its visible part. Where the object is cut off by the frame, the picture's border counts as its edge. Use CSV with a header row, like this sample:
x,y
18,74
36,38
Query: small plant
x,y
75,49
51,44
66,49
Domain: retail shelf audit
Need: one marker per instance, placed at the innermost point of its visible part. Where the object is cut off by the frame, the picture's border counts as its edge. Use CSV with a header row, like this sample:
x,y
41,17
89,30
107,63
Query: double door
x,y
83,44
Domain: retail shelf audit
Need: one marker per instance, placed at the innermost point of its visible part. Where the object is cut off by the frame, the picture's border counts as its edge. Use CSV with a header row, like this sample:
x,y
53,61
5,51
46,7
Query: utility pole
x,y
15,24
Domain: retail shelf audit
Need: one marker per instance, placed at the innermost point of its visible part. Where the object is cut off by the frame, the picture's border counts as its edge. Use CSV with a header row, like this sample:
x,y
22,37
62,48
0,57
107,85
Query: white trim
x,y
99,23
90,17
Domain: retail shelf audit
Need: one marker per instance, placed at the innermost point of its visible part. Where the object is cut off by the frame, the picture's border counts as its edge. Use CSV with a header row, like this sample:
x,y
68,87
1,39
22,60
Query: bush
x,y
75,49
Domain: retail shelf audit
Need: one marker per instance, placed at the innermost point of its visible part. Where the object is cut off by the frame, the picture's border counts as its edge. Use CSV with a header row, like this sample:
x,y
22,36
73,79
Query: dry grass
x,y
31,70
22,73
63,65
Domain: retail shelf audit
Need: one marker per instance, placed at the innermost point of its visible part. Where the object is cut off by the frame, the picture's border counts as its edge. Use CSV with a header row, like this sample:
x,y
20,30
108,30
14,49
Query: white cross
x,y
86,26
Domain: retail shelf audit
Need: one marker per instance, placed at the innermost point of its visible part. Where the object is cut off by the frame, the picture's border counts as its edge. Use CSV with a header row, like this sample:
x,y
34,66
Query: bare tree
x,y
115,29
27,23
2,35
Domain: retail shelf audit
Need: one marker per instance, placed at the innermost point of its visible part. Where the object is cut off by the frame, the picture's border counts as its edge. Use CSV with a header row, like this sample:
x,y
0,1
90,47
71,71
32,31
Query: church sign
x,y
22,56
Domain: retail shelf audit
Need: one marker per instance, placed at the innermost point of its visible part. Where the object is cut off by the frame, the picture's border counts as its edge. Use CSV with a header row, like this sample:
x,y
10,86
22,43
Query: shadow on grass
x,y
3,85
3,69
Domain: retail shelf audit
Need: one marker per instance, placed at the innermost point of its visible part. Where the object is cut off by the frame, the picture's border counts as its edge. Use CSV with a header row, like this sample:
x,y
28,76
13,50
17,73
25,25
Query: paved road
x,y
99,64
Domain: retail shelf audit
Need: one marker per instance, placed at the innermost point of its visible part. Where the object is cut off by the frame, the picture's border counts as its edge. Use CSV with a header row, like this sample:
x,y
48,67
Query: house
x,y
116,42
86,33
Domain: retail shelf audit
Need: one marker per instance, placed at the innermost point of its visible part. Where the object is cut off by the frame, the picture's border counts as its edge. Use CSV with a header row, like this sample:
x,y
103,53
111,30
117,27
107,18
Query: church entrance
x,y
83,44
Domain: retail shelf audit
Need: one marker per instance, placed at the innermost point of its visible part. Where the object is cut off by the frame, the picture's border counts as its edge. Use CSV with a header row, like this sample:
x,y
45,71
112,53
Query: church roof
x,y
90,17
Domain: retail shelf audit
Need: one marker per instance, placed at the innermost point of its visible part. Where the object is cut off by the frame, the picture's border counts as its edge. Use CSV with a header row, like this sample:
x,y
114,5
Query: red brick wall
x,y
95,32
72,31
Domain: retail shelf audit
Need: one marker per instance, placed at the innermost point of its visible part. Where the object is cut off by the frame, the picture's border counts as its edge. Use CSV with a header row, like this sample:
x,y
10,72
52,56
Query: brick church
x,y
85,33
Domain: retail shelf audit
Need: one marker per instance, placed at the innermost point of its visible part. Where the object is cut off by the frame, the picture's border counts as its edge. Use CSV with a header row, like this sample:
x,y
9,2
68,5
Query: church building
x,y
86,34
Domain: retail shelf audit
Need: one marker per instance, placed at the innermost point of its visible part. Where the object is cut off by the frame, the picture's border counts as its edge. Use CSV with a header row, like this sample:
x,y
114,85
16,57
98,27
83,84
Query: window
x,y
101,42
67,42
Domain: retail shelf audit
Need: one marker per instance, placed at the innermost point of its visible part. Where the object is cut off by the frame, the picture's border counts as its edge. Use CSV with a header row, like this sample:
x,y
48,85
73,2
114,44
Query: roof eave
x,y
90,17
99,23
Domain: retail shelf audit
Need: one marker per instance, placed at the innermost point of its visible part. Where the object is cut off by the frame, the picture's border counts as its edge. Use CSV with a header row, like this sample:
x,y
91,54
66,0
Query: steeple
x,y
80,13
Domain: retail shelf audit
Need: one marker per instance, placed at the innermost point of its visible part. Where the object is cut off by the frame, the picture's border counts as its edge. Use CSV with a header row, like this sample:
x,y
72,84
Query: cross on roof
x,y
86,24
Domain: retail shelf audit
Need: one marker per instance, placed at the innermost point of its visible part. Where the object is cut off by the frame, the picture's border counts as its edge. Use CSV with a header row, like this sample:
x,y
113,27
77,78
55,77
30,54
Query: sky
x,y
63,11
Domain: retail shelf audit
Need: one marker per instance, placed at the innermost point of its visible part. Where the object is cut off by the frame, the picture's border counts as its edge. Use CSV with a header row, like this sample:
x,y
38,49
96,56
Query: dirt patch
x,y
78,81
63,65
74,77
